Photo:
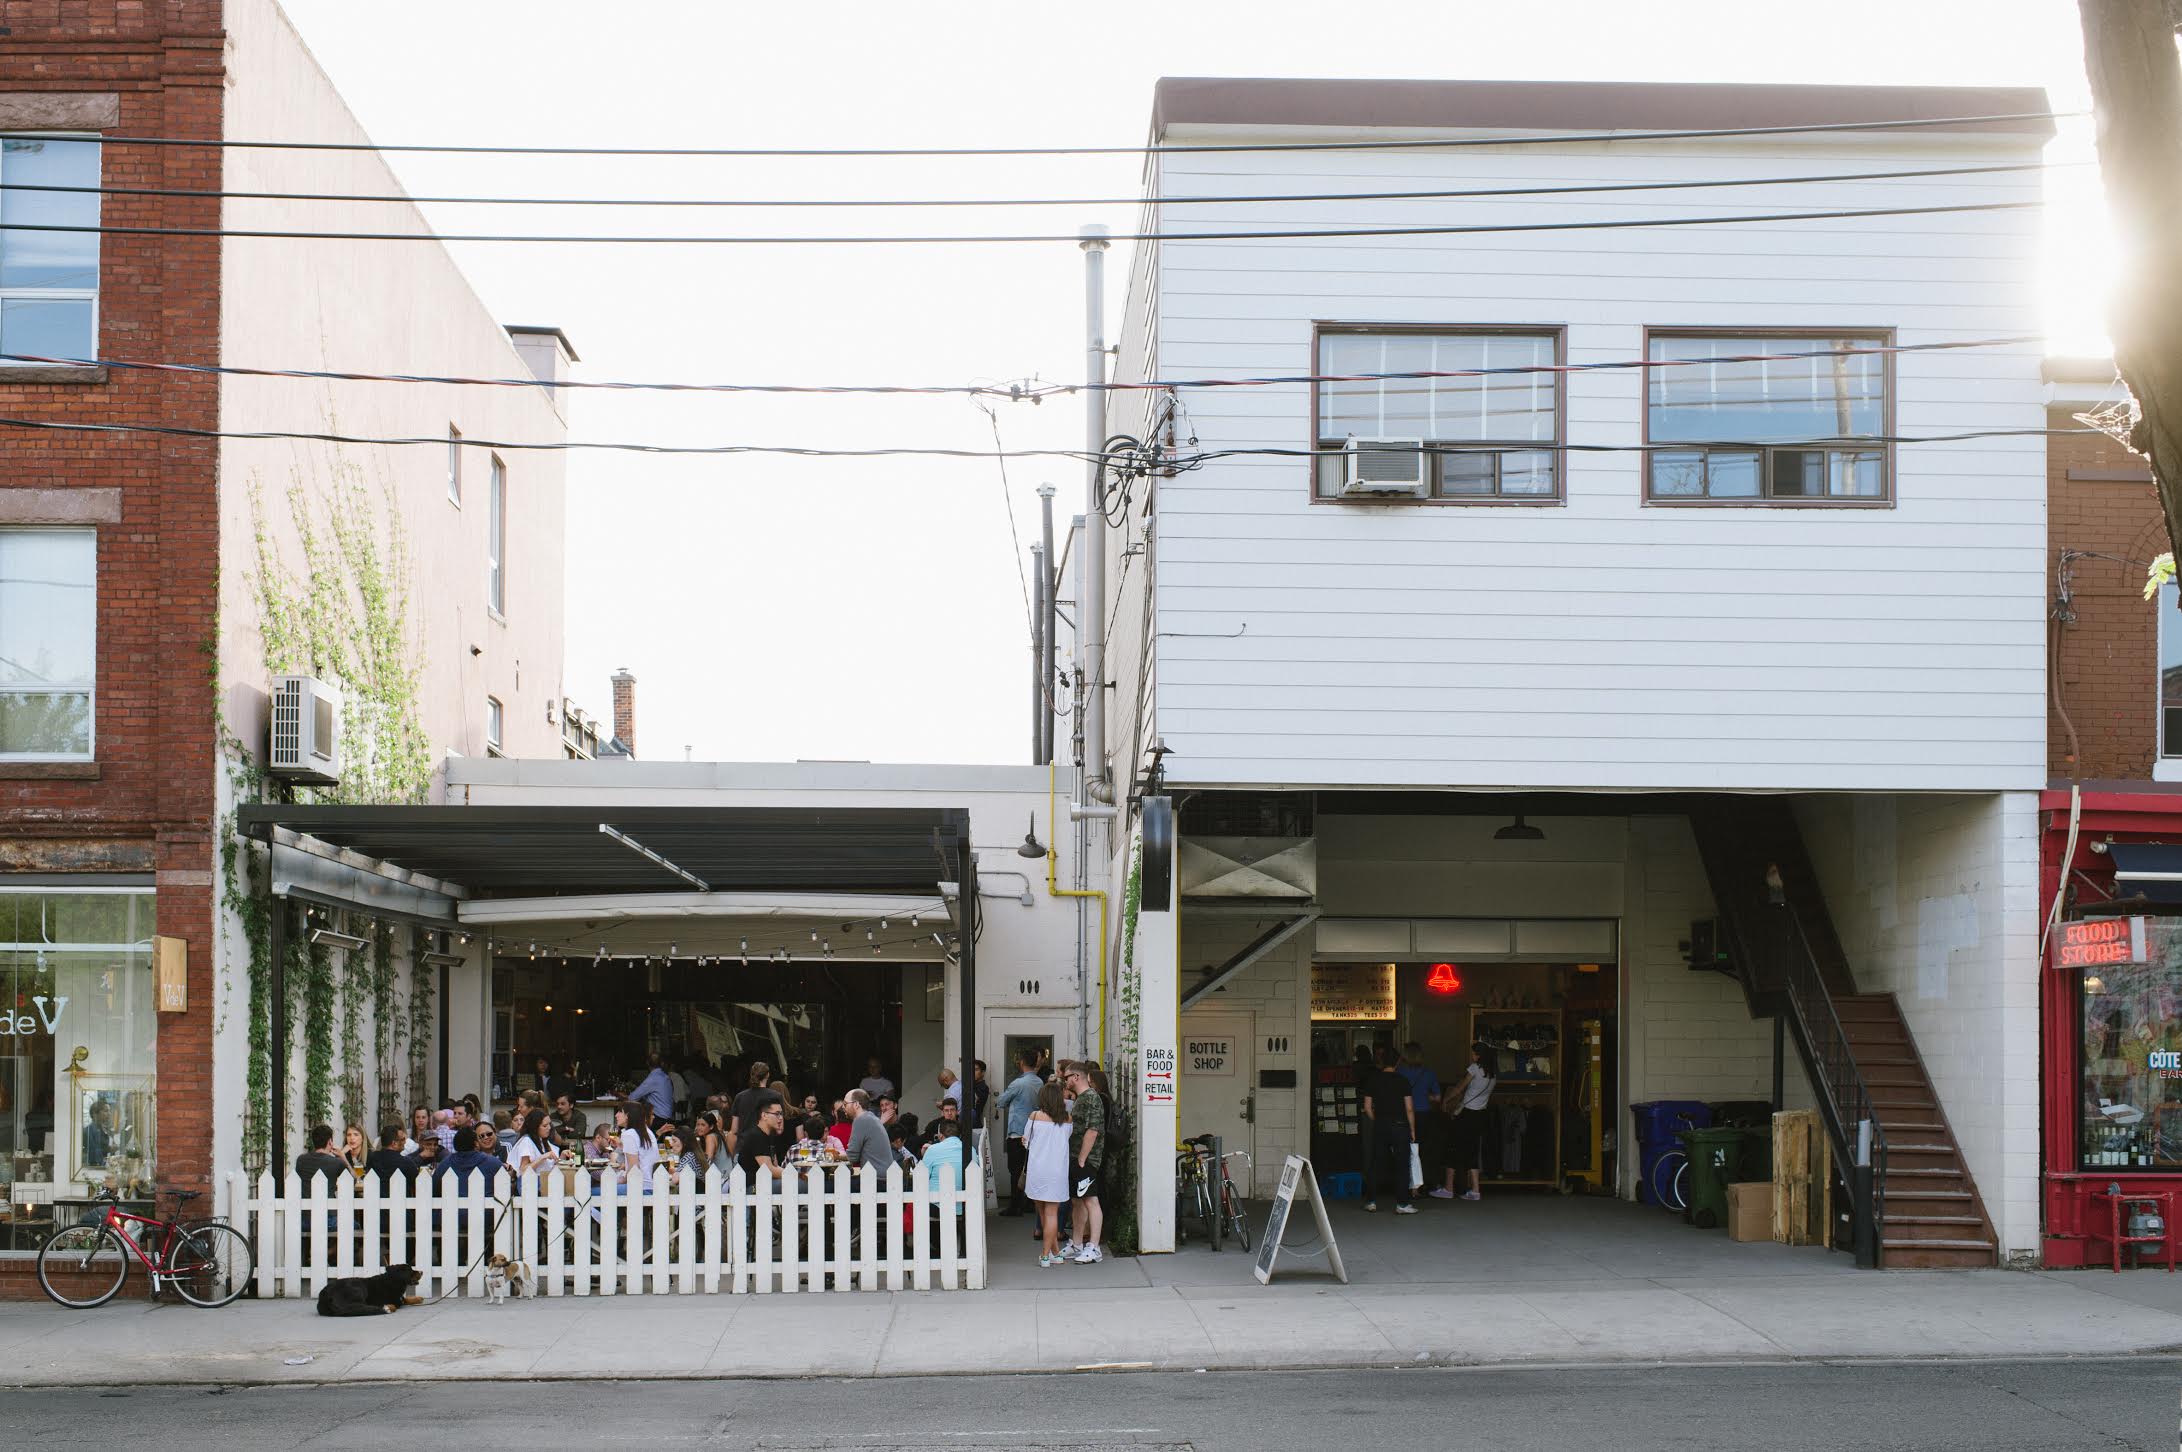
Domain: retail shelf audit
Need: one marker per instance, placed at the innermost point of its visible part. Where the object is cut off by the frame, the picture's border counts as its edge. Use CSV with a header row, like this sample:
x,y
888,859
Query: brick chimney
x,y
625,709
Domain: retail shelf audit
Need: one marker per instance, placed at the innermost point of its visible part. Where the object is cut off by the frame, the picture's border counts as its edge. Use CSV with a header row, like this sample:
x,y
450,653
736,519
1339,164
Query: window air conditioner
x,y
305,730
1384,466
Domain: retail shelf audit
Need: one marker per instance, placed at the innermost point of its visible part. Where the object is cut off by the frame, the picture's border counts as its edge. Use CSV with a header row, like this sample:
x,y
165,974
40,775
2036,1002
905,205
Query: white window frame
x,y
59,294
454,466
495,725
2169,620
496,542
89,688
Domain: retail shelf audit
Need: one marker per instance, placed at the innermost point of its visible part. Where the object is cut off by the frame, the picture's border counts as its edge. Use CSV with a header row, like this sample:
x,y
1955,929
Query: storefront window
x,y
77,1043
2132,1057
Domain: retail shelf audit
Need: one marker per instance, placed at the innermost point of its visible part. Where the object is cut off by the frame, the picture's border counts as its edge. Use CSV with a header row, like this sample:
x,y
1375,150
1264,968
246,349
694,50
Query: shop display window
x,y
2132,1057
77,1104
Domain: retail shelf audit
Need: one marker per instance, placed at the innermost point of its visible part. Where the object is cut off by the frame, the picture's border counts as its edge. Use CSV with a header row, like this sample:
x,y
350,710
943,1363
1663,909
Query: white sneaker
x,y
1089,1255
1405,1208
1070,1249
1471,1195
1443,1193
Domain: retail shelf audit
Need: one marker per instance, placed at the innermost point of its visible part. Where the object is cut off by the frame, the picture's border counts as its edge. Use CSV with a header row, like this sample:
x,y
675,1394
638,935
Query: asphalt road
x,y
1988,1406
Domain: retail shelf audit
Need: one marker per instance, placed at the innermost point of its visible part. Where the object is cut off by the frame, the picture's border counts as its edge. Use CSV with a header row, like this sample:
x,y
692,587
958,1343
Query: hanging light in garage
x,y
1519,831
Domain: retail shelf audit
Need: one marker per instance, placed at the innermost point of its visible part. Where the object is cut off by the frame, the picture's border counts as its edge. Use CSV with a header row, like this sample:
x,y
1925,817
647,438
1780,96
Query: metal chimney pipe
x,y
1037,655
1049,588
1091,610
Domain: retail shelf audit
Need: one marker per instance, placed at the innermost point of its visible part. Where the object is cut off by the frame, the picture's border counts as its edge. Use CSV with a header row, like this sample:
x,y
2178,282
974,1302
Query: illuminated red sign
x,y
2098,942
1443,979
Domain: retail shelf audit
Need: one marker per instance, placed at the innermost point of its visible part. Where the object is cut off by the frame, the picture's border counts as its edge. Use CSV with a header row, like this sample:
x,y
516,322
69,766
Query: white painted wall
x,y
1936,901
1602,643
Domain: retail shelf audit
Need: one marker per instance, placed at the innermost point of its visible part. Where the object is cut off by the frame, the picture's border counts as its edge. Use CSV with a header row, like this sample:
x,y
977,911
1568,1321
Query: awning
x,y
2151,870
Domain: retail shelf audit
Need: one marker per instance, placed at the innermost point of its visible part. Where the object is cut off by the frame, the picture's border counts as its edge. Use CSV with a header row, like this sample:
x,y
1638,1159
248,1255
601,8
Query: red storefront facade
x,y
2110,1014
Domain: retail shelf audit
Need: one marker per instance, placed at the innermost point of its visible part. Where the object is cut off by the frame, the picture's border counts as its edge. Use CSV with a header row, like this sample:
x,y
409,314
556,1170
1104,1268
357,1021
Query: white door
x,y
1217,1090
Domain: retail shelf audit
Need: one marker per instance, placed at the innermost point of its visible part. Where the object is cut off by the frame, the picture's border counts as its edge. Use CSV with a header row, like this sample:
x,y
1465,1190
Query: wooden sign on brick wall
x,y
170,967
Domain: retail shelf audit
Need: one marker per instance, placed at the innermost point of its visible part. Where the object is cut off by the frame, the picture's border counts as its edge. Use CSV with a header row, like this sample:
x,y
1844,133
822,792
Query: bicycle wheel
x,y
212,1264
1663,1179
1682,1190
1238,1224
83,1265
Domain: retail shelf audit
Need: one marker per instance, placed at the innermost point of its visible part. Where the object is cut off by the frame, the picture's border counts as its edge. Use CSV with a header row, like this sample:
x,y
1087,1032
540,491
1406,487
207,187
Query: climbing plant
x,y
1121,1177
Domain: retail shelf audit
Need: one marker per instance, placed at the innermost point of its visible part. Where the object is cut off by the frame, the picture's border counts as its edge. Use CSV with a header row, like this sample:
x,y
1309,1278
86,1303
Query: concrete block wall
x,y
1274,992
1936,902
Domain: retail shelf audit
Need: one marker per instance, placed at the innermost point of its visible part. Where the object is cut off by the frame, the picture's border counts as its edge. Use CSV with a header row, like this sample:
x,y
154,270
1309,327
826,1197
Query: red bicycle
x,y
209,1262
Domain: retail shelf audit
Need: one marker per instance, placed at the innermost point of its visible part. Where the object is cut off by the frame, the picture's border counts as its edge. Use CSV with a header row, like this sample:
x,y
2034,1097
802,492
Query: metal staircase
x,y
1911,1199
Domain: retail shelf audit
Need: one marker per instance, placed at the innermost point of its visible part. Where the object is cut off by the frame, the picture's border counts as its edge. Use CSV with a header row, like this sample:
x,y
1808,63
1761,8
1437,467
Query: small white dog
x,y
496,1279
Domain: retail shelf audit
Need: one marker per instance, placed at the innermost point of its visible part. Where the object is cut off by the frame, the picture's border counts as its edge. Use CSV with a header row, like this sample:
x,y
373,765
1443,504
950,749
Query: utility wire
x,y
1016,392
1007,500
1072,238
1544,138
1180,461
1572,189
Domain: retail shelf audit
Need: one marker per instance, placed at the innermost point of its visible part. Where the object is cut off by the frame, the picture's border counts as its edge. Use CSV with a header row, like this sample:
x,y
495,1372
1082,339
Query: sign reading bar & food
x,y
1351,992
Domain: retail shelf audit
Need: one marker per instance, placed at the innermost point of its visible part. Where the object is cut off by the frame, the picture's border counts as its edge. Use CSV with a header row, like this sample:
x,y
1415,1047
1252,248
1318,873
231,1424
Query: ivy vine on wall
x,y
1121,1216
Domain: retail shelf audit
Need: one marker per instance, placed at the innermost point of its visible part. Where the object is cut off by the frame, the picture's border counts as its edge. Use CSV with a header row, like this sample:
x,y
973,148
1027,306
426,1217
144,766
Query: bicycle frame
x,y
171,1232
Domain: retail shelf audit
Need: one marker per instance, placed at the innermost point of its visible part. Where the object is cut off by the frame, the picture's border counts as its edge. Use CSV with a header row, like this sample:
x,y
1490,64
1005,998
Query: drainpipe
x,y
1049,587
1037,656
1091,609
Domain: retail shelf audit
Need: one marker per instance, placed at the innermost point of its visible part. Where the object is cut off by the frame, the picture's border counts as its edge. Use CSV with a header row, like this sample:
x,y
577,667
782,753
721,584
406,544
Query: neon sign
x,y
1443,979
2097,942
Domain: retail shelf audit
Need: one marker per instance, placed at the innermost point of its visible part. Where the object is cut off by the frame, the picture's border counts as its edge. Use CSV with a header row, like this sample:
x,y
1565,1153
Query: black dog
x,y
377,1295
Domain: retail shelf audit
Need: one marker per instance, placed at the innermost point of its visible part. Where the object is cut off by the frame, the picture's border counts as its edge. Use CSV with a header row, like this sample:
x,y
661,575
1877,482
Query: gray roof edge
x,y
746,776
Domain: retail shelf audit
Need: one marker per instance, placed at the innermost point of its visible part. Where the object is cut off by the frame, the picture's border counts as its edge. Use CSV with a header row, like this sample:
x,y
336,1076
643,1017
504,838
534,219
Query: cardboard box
x,y
1750,1211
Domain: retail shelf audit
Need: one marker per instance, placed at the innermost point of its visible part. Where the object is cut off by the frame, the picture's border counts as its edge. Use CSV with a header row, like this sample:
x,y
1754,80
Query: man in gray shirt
x,y
868,1147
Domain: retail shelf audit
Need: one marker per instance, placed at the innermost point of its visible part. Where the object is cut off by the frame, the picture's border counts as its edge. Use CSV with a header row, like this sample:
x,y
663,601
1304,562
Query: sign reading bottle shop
x,y
2100,942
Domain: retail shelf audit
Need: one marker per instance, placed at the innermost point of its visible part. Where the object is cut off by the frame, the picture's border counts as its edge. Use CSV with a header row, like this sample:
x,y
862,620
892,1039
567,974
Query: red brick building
x,y
136,653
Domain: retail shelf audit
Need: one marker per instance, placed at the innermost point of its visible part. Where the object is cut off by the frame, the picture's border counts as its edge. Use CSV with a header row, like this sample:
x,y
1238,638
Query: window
x,y
76,969
2170,674
496,539
2132,1047
1500,428
48,280
48,632
454,466
492,725
1781,431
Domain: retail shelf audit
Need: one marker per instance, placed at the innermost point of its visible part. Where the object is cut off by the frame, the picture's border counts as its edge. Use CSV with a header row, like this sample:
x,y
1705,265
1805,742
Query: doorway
x,y
1218,1085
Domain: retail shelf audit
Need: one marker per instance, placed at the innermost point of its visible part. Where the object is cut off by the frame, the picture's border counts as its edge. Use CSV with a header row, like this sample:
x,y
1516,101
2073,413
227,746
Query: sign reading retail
x,y
1158,1077
1210,1055
1351,992
2100,942
1297,1177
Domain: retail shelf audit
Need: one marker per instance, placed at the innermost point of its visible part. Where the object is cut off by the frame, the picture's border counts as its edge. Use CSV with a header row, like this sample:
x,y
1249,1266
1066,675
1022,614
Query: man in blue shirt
x,y
467,1157
657,1090
1016,1102
1424,1095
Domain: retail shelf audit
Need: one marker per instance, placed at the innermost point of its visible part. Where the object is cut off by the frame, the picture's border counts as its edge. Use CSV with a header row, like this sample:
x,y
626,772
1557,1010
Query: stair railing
x,y
1844,1098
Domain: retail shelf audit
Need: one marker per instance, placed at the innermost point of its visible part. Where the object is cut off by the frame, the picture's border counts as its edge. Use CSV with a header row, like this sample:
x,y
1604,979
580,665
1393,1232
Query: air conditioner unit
x,y
305,730
1384,466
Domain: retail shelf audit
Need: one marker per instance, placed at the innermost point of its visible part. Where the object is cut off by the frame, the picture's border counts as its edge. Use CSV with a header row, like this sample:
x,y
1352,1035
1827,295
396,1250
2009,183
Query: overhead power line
x,y
1538,138
1198,200
1019,391
1072,238
1177,461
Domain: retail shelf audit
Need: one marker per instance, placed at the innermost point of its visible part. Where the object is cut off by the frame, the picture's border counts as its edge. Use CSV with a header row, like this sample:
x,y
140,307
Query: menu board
x,y
1351,992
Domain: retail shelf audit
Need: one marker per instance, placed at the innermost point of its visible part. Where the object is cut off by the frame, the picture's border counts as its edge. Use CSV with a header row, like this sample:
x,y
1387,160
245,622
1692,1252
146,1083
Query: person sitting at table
x,y
942,1165
655,1093
549,1084
711,1146
394,1156
533,1150
488,1142
949,1121
467,1158
758,1150
603,1144
569,1121
876,1084
637,1155
748,1104
420,1129
843,1124
355,1147
320,1159
898,1146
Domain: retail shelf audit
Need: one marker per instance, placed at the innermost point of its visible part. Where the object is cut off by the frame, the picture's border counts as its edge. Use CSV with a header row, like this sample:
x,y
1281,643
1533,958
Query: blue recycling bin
x,y
1657,1124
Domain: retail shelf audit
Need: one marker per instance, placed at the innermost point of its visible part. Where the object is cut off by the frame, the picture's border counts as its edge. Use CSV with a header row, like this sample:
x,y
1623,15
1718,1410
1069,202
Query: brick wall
x,y
2100,499
147,804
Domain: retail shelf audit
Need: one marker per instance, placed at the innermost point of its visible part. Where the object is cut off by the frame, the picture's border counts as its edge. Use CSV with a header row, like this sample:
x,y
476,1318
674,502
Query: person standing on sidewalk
x,y
1087,1158
1045,1171
1424,1098
1017,1102
1390,1128
1467,1134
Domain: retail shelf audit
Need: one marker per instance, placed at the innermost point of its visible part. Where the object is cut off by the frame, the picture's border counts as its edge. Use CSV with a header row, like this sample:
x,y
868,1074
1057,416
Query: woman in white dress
x,y
1045,1173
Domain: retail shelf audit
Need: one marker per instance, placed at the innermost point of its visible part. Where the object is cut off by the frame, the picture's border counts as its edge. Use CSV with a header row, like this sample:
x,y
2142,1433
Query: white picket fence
x,y
813,1230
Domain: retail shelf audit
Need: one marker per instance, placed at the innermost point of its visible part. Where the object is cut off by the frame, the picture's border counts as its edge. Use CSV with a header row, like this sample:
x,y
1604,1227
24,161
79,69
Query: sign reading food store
x,y
2100,942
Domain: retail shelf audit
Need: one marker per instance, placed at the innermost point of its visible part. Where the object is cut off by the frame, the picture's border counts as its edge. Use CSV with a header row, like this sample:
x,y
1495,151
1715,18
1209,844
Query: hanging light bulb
x,y
916,920
883,922
874,950
870,936
674,950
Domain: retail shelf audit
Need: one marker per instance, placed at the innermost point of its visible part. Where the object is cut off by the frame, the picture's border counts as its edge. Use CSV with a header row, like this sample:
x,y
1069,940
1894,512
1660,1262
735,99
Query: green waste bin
x,y
1716,1161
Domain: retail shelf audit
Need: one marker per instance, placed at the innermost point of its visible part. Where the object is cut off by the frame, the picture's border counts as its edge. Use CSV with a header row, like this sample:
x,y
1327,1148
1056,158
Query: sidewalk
x,y
1523,1282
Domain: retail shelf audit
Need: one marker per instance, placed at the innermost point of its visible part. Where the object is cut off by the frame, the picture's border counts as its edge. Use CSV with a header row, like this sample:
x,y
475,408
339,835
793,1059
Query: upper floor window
x,y
48,280
454,465
48,635
2170,674
1784,430
1485,437
496,539
494,718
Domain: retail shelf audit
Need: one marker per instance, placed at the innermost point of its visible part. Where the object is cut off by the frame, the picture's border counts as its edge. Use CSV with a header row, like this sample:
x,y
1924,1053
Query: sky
x,y
782,609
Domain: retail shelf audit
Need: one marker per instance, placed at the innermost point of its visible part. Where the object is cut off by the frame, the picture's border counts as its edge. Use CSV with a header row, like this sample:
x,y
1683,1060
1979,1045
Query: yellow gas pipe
x,y
1054,887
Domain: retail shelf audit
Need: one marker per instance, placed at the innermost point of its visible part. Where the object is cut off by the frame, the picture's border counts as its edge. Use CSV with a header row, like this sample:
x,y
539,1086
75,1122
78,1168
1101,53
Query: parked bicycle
x,y
1671,1175
207,1262
1232,1199
1194,1197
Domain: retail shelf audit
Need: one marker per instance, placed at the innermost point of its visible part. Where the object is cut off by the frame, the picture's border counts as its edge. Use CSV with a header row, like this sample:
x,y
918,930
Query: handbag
x,y
1416,1168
